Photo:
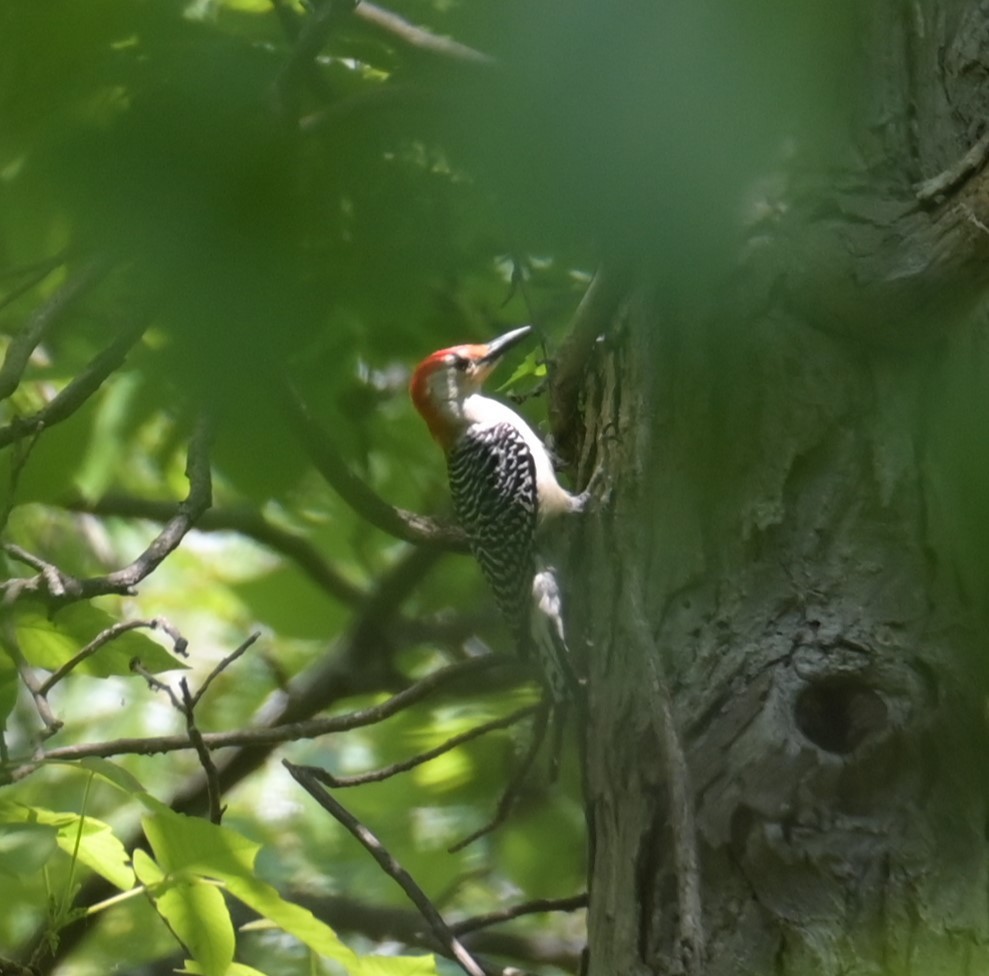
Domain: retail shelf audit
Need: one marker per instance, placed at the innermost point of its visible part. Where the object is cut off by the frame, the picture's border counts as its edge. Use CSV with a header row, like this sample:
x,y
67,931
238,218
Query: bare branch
x,y
213,789
44,319
33,685
100,640
62,588
346,913
535,907
267,735
198,500
365,502
68,400
223,665
307,779
185,704
246,521
418,37
386,772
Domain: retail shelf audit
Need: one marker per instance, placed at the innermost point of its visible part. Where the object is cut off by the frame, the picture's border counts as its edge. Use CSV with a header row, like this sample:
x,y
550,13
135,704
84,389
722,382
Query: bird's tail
x,y
548,638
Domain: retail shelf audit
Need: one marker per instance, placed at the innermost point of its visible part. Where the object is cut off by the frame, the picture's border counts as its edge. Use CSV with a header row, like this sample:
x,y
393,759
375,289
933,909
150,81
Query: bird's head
x,y
443,380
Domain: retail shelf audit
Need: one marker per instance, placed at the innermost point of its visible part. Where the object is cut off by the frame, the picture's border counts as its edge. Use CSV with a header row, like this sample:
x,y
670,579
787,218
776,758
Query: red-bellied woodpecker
x,y
504,491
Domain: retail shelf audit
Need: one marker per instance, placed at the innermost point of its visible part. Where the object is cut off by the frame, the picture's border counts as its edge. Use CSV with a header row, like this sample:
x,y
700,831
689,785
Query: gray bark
x,y
781,606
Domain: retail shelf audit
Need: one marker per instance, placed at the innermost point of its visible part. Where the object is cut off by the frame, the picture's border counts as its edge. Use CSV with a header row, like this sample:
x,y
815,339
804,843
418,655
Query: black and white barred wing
x,y
493,483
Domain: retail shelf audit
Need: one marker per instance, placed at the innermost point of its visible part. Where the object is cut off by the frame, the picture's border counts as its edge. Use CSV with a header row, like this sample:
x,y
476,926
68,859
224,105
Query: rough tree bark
x,y
776,568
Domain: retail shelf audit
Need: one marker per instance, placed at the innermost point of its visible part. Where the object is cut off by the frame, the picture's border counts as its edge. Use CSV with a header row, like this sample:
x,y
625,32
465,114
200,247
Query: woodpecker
x,y
504,492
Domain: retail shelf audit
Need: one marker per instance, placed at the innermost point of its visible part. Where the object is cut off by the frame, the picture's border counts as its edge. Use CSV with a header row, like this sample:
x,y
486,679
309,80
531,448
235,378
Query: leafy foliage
x,y
199,219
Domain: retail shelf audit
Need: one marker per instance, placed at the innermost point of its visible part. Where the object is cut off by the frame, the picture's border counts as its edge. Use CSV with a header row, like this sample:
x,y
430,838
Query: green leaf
x,y
234,969
98,848
530,368
198,916
189,845
186,844
49,642
148,873
26,847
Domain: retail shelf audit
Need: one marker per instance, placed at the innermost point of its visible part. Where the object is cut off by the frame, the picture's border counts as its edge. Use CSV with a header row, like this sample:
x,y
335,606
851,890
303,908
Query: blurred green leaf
x,y
91,840
26,847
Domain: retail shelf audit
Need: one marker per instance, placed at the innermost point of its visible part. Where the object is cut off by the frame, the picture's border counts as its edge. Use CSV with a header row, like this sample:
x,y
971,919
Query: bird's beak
x,y
498,347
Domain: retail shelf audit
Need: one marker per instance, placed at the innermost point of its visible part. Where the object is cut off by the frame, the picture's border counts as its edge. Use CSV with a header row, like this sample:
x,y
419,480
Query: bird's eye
x,y
461,363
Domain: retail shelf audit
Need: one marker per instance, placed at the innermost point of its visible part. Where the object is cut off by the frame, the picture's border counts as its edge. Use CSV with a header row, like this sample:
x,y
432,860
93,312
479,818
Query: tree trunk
x,y
782,602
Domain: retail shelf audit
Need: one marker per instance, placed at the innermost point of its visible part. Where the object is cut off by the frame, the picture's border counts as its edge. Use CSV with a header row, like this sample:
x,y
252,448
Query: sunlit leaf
x,y
188,844
197,914
94,842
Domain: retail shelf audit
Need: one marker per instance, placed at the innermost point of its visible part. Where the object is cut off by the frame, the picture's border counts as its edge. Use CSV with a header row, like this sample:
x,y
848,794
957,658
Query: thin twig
x,y
100,640
270,734
514,787
43,320
365,502
535,907
156,684
223,665
307,779
418,37
33,685
386,772
213,790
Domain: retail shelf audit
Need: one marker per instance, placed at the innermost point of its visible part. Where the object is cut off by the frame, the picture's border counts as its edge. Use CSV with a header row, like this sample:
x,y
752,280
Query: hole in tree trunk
x,y
837,714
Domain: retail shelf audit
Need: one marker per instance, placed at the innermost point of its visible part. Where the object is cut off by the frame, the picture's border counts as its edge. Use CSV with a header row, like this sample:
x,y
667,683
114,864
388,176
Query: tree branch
x,y
308,780
43,320
101,640
386,772
62,588
271,734
363,500
537,906
246,521
68,400
418,37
